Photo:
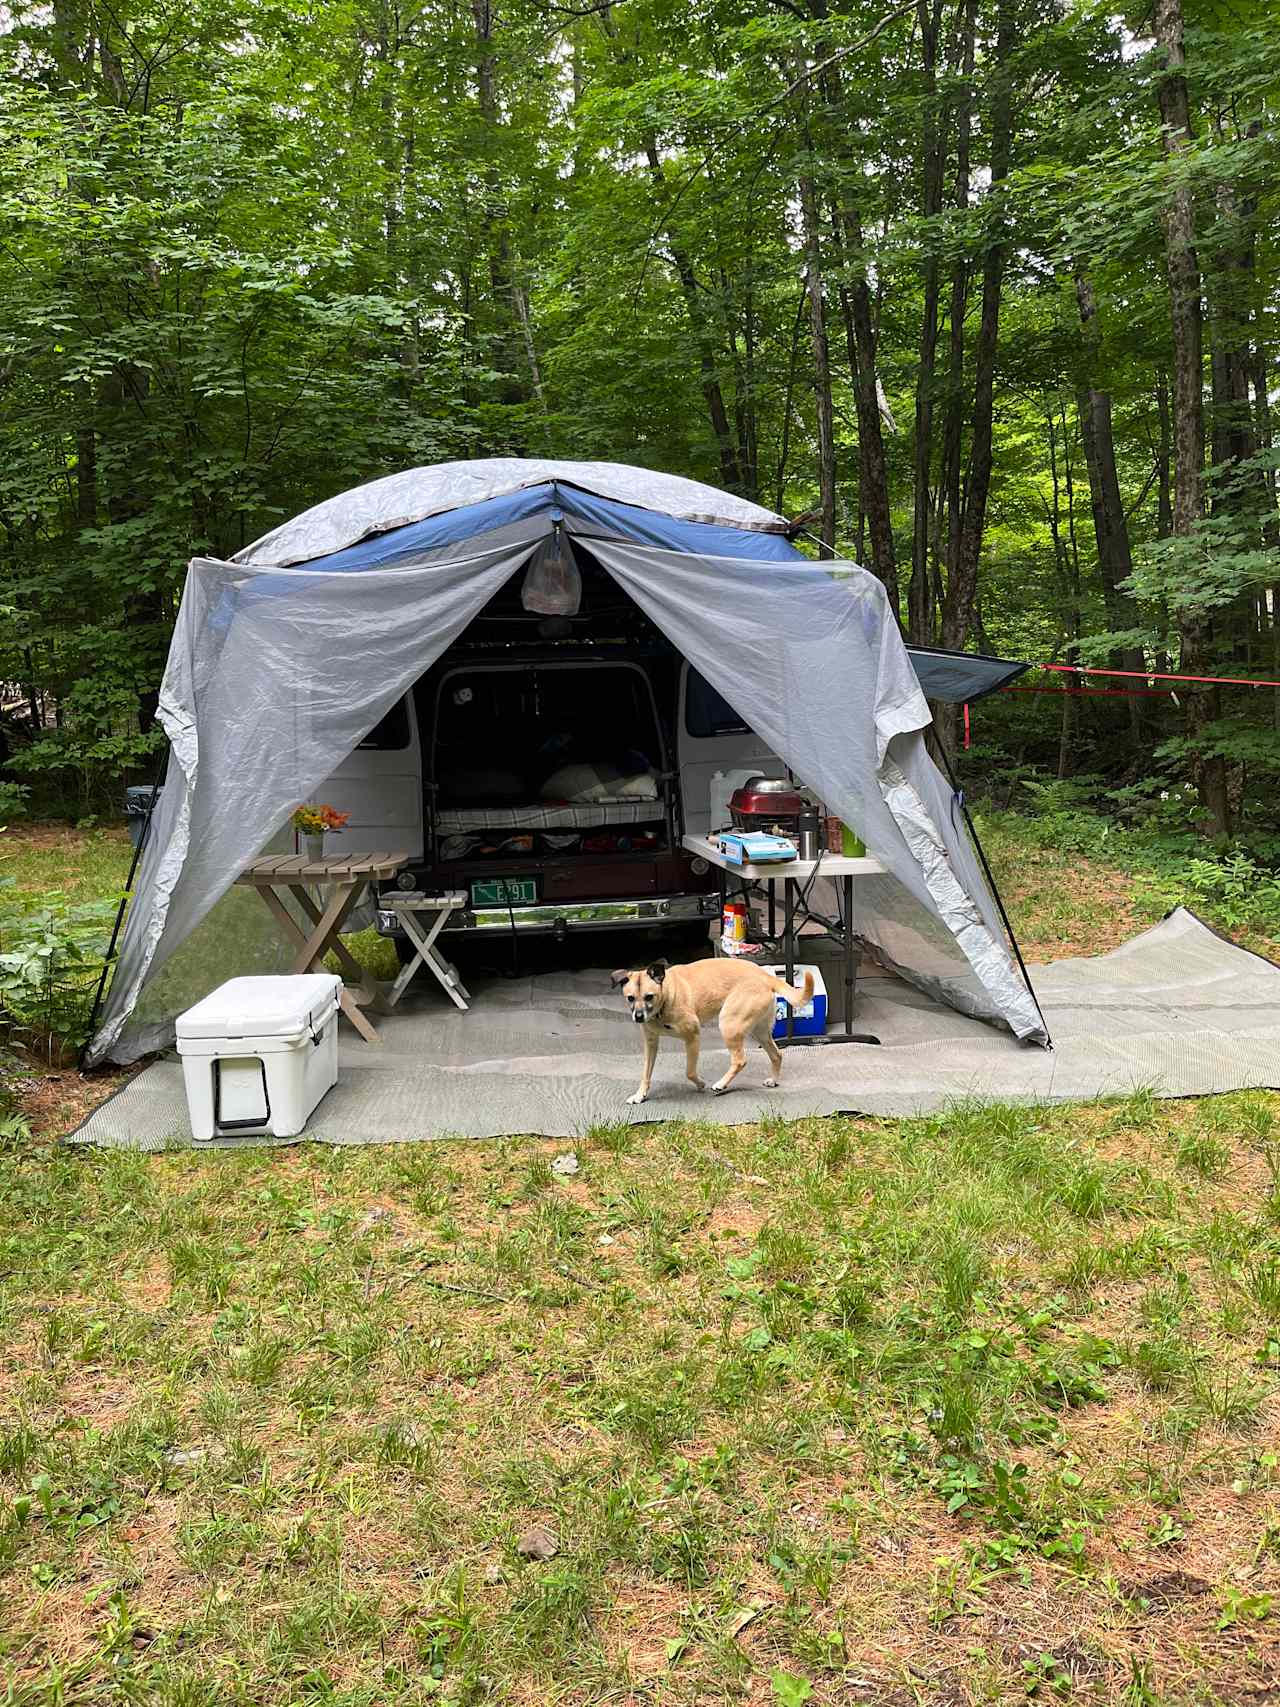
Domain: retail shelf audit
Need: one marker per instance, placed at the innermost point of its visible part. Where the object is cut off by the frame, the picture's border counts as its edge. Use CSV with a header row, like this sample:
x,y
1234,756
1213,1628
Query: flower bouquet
x,y
311,823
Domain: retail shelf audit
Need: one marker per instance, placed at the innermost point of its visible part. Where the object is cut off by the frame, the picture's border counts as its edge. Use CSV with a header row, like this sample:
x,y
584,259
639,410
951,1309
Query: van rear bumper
x,y
651,912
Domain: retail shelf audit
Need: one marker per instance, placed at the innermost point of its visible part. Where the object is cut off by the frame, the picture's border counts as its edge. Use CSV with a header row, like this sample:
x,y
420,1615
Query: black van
x,y
548,767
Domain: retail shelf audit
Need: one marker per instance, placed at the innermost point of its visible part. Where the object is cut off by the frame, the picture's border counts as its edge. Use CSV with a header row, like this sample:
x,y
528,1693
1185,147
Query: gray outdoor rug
x,y
1176,1011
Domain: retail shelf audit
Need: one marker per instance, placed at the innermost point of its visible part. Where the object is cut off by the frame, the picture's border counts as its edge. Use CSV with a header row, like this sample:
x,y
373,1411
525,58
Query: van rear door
x,y
712,737
380,785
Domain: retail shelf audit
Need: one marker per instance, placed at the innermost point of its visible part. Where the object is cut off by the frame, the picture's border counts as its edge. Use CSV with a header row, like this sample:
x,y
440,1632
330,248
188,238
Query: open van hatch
x,y
548,780
550,793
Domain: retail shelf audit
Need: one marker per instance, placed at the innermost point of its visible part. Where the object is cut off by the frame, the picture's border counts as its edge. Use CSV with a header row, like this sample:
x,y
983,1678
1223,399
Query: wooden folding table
x,y
347,877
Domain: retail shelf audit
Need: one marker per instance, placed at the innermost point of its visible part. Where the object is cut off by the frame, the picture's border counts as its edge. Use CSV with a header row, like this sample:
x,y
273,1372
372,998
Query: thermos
x,y
808,827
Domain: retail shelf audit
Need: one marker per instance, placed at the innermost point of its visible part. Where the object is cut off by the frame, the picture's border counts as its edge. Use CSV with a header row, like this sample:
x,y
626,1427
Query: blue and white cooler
x,y
811,1016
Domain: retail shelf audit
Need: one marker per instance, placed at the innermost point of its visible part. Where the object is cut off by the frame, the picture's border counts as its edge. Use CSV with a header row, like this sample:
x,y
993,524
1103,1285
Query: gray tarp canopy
x,y
959,678
284,658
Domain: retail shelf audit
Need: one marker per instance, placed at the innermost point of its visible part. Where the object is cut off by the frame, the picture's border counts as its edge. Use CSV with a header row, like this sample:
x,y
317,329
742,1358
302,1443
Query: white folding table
x,y
792,874
411,907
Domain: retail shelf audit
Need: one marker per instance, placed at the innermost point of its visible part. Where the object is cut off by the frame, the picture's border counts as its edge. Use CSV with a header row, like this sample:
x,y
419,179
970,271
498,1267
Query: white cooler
x,y
259,1053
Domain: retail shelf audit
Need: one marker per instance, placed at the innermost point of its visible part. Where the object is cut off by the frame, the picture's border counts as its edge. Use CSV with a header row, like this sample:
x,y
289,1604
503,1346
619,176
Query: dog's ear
x,y
657,971
619,976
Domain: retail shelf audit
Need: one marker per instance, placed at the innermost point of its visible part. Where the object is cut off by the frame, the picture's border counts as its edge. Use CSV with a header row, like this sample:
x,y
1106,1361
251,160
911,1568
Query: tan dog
x,y
682,999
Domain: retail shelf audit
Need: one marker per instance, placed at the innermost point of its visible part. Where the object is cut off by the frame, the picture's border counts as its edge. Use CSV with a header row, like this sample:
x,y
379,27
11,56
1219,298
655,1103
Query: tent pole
x,y
958,794
156,780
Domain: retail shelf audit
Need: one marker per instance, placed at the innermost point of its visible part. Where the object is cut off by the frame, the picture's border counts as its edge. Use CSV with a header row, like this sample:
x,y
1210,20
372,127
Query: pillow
x,y
589,784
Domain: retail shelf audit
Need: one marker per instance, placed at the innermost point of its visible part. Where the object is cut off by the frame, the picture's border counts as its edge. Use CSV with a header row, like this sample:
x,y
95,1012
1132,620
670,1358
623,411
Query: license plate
x,y
503,891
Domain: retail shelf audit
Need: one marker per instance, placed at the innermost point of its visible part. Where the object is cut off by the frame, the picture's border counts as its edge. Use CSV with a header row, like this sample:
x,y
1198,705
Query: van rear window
x,y
529,722
391,735
707,713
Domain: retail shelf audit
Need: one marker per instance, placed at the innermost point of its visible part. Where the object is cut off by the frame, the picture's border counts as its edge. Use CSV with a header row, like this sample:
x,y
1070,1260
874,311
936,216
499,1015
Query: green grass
x,y
914,1402
1074,882
83,865
971,1409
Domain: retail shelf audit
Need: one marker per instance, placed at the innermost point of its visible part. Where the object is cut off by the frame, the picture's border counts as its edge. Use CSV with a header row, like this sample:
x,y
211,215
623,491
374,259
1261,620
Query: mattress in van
x,y
547,815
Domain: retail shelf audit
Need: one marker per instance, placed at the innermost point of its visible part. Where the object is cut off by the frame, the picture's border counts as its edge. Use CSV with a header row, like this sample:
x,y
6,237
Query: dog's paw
x,y
718,1090
639,1096
771,1084
698,1084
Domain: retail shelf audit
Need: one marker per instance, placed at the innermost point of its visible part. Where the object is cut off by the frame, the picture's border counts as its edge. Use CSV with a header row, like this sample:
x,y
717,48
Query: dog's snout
x,y
638,1015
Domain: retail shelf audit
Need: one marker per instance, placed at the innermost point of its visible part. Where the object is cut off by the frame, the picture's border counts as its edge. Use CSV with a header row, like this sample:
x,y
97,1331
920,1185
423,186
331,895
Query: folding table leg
x,y
850,974
356,1015
325,926
314,947
426,955
789,932
421,948
370,992
405,975
283,917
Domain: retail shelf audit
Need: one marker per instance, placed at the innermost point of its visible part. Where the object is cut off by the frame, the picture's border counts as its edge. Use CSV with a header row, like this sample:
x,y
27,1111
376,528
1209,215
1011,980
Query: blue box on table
x,y
811,1016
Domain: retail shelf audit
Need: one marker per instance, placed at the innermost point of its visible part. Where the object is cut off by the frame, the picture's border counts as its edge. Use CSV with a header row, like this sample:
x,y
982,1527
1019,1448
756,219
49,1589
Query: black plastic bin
x,y
137,804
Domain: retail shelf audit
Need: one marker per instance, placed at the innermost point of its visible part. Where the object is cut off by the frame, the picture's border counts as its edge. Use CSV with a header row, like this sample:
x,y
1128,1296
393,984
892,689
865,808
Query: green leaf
x,y
789,1690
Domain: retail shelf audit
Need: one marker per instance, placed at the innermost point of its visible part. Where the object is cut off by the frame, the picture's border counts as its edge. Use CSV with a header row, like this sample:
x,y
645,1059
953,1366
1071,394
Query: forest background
x,y
987,289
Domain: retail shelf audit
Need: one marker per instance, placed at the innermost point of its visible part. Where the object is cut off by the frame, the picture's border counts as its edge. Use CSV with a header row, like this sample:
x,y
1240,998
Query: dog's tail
x,y
795,997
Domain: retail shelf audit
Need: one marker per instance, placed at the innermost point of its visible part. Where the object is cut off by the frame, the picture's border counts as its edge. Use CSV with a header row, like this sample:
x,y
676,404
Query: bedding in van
x,y
599,783
574,797
548,815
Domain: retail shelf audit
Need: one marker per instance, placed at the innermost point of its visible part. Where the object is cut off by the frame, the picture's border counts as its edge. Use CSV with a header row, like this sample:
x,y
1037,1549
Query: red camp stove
x,y
768,803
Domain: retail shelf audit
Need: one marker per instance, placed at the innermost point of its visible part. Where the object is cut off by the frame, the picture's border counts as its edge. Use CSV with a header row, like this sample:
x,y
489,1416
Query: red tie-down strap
x,y
1078,671
1161,676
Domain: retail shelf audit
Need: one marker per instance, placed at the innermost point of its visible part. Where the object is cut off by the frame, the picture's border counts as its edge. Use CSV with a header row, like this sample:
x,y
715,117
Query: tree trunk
x,y
824,415
920,602
1271,530
1262,414
744,397
121,391
1241,485
1183,266
873,474
520,300
1069,588
712,393
855,300
963,586
949,483
1110,525
1164,460
507,336
1234,291
788,401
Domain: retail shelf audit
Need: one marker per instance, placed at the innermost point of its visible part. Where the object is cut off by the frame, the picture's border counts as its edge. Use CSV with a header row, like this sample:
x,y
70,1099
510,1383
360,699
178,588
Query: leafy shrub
x,y
13,800
1147,829
51,958
81,766
1235,889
